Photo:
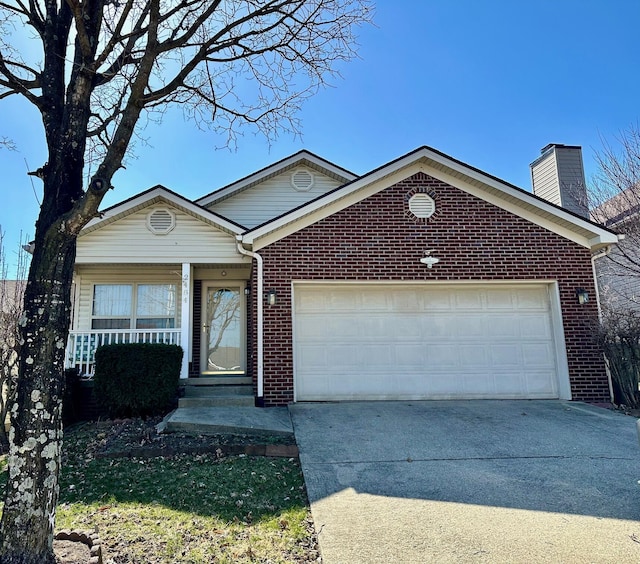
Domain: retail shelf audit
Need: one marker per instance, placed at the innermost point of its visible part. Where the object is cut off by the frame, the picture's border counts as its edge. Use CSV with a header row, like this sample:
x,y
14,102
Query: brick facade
x,y
378,239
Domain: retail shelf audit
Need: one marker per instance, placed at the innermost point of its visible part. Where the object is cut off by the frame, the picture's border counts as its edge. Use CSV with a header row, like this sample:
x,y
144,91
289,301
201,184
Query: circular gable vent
x,y
422,205
161,221
302,180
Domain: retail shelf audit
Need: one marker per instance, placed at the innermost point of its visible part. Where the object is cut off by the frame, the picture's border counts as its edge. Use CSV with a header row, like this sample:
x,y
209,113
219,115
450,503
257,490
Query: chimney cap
x,y
559,145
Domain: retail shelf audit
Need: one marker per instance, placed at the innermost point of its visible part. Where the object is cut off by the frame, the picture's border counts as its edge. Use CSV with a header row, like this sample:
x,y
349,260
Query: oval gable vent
x,y
302,180
422,205
161,221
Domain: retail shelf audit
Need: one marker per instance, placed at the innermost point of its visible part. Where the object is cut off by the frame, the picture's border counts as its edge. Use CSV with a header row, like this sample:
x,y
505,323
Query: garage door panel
x,y
408,328
536,355
532,299
473,357
410,356
405,301
437,300
413,342
374,300
535,327
439,326
479,384
441,356
500,299
503,326
505,356
467,327
465,300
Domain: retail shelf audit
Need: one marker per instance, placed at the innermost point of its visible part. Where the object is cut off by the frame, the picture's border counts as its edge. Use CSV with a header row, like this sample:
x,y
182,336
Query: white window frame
x,y
133,316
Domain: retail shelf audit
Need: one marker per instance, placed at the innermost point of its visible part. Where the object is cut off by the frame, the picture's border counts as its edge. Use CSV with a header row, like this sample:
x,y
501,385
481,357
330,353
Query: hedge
x,y
137,379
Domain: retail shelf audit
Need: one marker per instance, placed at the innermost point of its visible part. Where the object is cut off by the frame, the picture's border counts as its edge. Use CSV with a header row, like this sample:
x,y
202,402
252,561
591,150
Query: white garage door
x,y
423,342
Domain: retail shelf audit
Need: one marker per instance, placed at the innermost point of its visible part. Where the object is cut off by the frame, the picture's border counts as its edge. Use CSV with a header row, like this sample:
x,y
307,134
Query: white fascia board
x,y
160,193
542,205
423,160
596,237
273,170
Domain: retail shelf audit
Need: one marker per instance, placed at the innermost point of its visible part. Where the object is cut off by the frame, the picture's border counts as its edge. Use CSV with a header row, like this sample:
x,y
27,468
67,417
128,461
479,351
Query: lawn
x,y
185,508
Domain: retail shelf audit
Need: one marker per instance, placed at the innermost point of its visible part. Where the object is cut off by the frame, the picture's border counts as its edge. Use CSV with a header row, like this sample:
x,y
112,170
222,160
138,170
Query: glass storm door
x,y
222,345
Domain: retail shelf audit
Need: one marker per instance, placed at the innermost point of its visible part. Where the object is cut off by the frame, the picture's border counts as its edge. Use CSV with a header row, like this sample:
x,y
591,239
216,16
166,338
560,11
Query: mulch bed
x,y
138,438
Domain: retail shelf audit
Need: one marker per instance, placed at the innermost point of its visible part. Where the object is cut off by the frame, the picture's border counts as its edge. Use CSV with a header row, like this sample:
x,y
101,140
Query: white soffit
x,y
452,172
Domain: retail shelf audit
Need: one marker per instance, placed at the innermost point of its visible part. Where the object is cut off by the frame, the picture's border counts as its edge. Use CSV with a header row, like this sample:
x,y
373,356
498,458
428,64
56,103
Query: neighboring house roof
x,y
617,209
447,169
301,158
12,290
159,194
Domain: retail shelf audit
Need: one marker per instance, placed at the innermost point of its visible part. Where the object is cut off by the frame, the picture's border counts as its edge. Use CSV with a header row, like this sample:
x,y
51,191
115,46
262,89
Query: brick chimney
x,y
557,175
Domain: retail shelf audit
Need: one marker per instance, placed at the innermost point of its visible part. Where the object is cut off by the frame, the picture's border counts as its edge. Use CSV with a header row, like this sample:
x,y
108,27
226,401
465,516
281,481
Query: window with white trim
x,y
134,306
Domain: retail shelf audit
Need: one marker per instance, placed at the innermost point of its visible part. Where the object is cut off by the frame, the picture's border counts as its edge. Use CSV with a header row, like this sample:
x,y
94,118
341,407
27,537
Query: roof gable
x,y
159,227
153,196
446,169
300,159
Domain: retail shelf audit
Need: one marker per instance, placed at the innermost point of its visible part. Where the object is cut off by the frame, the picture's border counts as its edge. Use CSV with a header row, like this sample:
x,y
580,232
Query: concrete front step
x,y
217,401
216,391
230,420
217,381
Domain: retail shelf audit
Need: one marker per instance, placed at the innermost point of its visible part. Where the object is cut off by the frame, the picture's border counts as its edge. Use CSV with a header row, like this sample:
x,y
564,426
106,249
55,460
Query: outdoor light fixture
x,y
583,295
429,260
247,290
272,297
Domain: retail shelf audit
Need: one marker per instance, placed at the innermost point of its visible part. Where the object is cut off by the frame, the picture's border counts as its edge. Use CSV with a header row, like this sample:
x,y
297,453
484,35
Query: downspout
x,y
258,258
601,254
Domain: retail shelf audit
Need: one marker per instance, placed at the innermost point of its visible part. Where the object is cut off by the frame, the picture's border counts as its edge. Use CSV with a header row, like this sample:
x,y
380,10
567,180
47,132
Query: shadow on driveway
x,y
421,471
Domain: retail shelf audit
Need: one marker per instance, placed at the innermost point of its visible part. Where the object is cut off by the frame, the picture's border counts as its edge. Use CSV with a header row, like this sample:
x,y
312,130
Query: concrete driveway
x,y
471,481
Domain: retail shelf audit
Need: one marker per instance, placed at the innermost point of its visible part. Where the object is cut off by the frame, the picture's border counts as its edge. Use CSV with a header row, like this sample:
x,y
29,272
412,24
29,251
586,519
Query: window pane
x,y
156,300
155,323
111,324
112,300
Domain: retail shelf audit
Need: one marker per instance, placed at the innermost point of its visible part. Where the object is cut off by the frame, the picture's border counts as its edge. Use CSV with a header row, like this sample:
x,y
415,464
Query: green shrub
x,y
138,379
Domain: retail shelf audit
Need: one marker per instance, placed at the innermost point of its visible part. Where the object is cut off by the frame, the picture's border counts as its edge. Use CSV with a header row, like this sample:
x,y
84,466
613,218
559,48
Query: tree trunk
x,y
36,415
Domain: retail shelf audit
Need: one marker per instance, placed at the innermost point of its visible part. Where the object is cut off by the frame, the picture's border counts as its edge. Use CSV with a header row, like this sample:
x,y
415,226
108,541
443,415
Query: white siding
x,y
545,179
271,198
89,276
129,241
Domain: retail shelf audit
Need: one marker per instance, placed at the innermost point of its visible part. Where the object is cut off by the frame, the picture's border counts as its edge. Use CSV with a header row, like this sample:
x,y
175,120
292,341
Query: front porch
x,y
82,345
204,311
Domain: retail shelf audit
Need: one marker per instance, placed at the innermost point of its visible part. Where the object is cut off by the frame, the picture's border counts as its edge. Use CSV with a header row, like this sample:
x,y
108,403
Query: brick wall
x,y
378,239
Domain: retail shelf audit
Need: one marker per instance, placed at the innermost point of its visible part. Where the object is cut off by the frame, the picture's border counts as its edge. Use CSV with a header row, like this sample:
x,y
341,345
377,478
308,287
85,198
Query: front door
x,y
222,349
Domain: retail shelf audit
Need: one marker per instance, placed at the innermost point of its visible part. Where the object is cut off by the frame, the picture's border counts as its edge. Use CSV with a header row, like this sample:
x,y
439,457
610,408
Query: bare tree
x,y
11,296
104,67
615,202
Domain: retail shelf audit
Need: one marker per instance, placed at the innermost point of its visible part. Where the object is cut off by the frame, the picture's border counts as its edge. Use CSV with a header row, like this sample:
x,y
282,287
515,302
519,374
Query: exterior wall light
x,y
583,296
272,297
429,260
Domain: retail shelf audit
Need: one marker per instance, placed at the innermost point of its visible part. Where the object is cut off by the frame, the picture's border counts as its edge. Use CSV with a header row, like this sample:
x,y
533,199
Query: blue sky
x,y
489,83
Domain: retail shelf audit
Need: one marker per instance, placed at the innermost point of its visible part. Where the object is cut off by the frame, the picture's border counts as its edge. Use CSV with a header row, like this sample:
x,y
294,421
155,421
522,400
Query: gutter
x,y
258,259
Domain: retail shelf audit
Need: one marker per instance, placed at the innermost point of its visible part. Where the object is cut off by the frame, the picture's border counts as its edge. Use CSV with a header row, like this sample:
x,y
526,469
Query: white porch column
x,y
185,319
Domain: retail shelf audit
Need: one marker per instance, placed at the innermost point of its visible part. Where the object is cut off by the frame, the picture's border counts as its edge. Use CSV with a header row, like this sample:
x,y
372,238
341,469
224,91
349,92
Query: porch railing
x,y
82,345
